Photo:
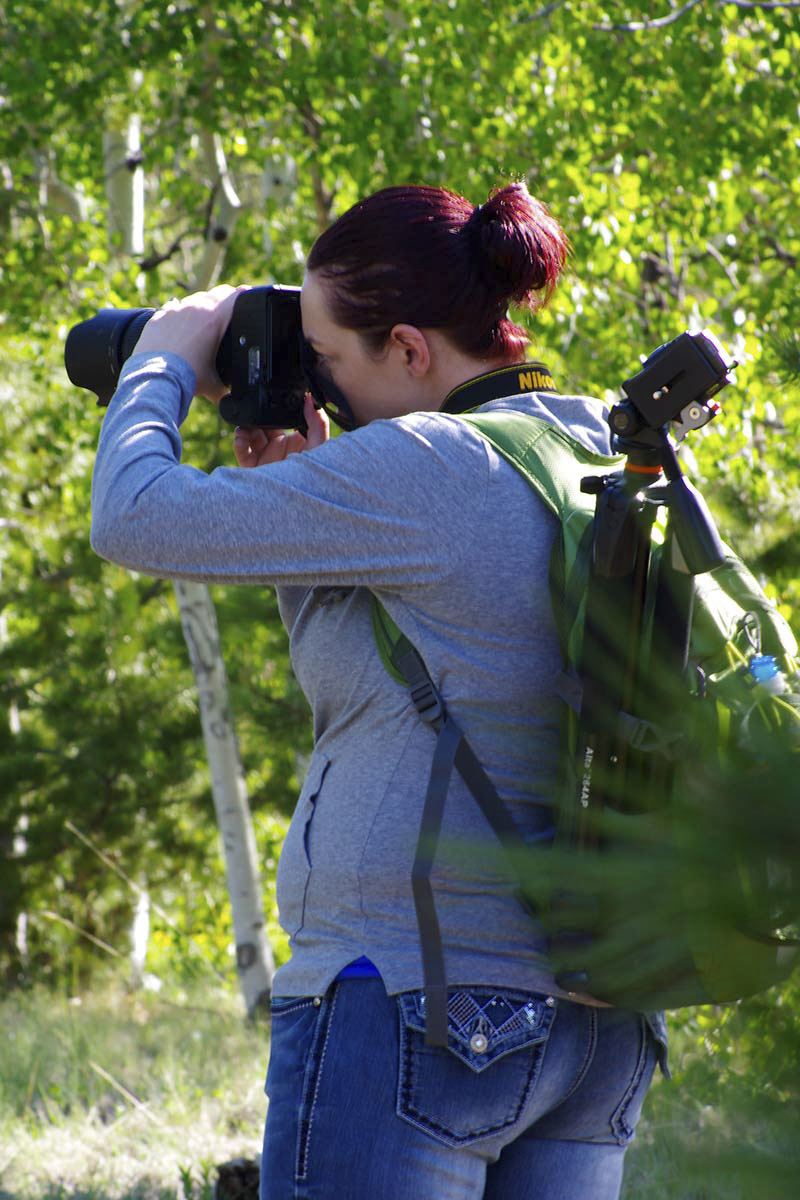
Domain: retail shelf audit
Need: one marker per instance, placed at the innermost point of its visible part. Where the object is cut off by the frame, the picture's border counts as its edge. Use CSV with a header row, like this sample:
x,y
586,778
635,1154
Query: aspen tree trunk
x,y
224,212
19,843
254,960
124,179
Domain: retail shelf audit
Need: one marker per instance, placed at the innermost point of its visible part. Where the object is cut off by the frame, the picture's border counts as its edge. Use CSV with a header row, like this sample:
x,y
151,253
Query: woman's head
x,y
405,296
426,257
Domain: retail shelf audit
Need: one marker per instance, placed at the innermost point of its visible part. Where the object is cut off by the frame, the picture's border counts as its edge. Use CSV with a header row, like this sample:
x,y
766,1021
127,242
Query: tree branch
x,y
656,23
155,258
538,16
728,268
323,199
762,3
781,253
137,890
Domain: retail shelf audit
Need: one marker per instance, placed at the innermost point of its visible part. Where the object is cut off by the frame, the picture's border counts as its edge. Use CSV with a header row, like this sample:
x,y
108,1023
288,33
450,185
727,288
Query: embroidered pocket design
x,y
484,1079
485,1025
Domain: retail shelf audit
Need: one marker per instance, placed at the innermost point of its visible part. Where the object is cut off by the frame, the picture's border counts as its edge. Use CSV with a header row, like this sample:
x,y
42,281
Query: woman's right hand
x,y
193,328
257,447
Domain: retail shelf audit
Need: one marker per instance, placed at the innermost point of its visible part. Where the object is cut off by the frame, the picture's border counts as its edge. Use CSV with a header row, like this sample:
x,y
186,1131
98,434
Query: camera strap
x,y
516,380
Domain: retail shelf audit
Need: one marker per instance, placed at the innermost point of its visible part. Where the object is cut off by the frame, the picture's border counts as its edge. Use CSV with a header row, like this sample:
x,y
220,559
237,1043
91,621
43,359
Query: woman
x,y
404,305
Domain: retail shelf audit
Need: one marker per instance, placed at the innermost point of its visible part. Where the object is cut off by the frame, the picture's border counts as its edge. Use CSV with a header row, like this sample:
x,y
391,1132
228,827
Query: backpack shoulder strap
x,y
391,642
551,461
553,464
451,751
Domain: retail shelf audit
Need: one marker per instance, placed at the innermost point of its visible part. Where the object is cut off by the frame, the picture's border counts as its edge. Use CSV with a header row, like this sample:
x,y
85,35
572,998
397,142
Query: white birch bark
x,y
254,961
140,937
54,193
124,180
224,212
20,842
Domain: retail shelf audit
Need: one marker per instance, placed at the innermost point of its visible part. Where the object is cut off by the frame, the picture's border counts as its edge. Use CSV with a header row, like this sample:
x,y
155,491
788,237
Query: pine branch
x,y
786,349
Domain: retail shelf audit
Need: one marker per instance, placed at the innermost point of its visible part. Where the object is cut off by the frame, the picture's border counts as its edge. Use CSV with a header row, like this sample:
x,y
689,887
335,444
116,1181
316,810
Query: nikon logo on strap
x,y
497,385
536,379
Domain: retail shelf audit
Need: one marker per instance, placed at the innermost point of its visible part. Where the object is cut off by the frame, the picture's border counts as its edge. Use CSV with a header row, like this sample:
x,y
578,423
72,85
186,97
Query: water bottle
x,y
764,670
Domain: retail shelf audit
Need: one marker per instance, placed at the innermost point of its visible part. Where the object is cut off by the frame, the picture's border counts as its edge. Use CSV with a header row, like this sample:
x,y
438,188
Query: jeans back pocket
x,y
484,1079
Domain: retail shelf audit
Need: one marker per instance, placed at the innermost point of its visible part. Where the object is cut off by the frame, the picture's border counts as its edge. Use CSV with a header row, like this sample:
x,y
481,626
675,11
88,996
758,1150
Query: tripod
x,y
632,601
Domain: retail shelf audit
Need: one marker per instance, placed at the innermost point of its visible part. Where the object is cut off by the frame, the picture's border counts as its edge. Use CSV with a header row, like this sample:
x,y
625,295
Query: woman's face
x,y
385,385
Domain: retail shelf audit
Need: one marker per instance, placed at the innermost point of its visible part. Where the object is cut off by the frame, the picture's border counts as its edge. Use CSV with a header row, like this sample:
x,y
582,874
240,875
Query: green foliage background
x,y
668,148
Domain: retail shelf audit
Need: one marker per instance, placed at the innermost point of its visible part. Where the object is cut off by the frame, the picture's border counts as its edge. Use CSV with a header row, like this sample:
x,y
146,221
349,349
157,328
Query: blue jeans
x,y
534,1099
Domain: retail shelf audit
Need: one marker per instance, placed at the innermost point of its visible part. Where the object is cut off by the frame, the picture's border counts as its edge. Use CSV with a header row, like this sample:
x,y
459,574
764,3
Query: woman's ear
x,y
413,347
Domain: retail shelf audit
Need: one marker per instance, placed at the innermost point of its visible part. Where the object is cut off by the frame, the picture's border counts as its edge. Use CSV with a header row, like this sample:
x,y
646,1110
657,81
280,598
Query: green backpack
x,y
668,881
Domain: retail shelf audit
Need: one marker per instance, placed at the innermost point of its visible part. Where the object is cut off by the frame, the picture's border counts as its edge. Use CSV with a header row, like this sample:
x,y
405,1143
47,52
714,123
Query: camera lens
x,y
96,349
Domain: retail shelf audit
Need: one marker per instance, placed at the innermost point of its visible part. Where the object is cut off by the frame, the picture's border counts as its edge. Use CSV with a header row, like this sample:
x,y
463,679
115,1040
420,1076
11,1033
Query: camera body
x,y
259,357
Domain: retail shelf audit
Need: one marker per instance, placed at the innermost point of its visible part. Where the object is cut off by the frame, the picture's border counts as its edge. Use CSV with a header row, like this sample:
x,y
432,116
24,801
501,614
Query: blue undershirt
x,y
360,968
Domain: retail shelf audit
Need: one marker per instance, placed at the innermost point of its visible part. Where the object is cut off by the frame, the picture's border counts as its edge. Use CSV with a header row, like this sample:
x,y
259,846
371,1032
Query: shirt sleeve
x,y
395,504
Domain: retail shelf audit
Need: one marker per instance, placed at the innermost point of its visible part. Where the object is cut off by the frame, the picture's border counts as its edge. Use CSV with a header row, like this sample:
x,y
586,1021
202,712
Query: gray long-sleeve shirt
x,y
422,511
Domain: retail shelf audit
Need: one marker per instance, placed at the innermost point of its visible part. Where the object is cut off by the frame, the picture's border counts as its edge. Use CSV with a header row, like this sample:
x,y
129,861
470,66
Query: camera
x,y
262,357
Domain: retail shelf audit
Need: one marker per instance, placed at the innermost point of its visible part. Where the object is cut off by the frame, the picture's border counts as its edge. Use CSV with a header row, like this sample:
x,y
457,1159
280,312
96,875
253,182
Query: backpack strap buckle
x,y
424,695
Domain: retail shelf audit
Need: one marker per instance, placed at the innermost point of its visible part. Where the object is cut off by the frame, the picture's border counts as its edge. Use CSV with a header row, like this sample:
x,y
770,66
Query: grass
x,y
725,1127
119,1095
126,1095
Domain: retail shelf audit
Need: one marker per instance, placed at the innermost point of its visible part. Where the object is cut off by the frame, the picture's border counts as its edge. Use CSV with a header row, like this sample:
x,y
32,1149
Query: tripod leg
x,y
615,604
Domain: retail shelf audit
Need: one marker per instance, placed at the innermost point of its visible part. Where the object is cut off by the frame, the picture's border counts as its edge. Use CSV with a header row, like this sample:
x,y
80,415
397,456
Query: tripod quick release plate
x,y
676,384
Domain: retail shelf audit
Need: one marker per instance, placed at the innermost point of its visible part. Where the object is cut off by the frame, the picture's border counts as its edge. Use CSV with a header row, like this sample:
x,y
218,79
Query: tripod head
x,y
672,394
674,386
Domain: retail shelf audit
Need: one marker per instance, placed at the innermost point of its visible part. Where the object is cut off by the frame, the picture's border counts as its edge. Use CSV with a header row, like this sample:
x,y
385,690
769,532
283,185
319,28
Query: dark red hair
x,y
427,257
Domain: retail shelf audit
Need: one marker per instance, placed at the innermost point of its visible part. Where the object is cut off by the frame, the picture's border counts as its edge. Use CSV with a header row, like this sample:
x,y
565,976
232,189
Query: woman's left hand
x,y
193,329
257,447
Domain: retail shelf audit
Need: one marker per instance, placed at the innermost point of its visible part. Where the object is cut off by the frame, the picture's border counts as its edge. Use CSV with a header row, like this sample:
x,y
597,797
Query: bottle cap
x,y
763,667
765,671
